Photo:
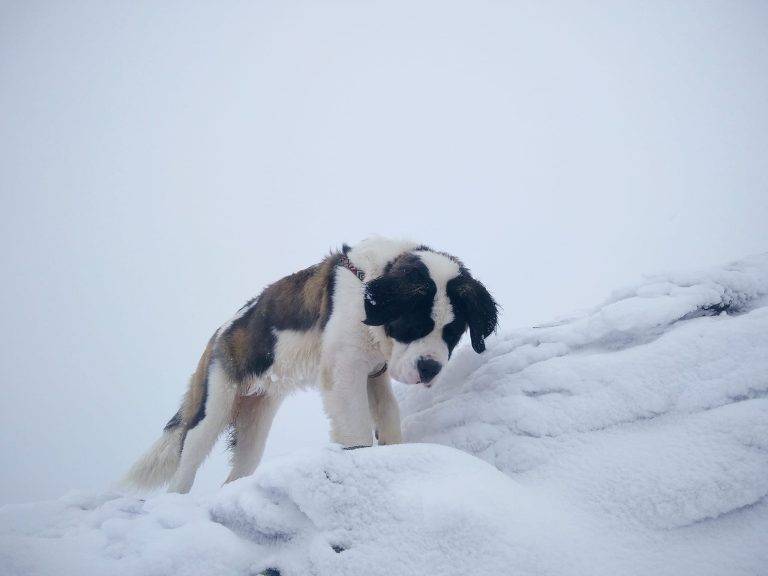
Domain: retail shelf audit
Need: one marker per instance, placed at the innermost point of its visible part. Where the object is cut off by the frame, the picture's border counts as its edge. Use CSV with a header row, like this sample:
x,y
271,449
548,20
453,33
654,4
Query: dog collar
x,y
344,261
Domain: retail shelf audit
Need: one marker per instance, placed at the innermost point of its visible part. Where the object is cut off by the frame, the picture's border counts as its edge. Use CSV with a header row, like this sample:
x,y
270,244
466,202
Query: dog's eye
x,y
409,328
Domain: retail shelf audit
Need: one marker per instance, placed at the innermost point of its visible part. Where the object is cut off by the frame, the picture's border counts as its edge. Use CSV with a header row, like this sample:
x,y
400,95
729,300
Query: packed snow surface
x,y
631,439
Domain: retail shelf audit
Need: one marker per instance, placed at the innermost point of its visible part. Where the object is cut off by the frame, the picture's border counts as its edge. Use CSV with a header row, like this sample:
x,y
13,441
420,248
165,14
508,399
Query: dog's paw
x,y
386,437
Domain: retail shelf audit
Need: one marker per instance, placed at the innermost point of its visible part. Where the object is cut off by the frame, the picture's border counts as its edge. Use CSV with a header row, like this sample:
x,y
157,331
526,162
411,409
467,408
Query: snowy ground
x,y
632,439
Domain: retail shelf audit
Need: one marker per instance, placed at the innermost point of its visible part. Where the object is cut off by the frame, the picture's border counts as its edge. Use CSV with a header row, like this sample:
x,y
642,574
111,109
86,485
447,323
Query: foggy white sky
x,y
159,164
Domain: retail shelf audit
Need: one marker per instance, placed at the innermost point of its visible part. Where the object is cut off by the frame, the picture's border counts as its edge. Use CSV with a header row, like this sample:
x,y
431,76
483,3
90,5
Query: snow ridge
x,y
631,439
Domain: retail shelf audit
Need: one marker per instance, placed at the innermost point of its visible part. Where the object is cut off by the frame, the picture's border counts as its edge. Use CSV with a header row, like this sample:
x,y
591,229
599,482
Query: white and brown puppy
x,y
382,307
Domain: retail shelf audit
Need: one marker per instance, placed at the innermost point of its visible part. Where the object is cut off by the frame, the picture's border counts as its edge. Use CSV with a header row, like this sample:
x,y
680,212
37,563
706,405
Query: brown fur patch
x,y
193,408
299,302
315,293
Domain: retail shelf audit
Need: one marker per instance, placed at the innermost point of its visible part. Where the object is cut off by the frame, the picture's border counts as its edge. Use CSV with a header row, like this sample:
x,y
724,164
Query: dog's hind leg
x,y
384,409
216,415
250,428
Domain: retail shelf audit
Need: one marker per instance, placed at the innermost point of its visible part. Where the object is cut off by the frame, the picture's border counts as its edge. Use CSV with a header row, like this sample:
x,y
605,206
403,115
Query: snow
x,y
630,439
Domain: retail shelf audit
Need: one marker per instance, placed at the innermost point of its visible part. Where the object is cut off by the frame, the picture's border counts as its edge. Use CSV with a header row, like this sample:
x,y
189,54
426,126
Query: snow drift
x,y
631,439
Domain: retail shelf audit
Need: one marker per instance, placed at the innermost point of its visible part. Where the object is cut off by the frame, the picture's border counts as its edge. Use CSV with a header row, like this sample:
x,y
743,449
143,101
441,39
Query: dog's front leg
x,y
345,398
384,409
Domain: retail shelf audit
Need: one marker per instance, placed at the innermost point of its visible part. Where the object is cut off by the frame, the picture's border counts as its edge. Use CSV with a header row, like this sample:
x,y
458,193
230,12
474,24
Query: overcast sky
x,y
160,163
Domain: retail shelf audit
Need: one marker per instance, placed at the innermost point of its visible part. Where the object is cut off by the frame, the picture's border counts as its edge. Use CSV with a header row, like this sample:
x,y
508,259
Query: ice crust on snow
x,y
631,439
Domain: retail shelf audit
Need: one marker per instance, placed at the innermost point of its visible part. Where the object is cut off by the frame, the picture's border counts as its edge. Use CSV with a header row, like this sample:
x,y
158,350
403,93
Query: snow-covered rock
x,y
632,439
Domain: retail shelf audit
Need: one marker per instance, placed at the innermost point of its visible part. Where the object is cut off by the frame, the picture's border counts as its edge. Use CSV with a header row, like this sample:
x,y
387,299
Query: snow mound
x,y
632,439
409,509
649,413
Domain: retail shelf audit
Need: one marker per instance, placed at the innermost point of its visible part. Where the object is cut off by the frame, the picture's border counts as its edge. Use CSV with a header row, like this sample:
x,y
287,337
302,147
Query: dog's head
x,y
424,301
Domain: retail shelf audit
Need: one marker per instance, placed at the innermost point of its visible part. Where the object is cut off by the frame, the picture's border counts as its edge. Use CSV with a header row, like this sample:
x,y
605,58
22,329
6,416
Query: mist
x,y
161,163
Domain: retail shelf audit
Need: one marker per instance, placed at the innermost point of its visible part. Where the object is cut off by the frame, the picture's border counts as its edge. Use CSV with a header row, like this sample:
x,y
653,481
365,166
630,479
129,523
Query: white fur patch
x,y
372,254
297,355
441,269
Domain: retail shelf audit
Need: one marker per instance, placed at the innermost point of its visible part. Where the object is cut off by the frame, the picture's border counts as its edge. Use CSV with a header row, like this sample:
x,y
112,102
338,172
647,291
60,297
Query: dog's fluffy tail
x,y
156,467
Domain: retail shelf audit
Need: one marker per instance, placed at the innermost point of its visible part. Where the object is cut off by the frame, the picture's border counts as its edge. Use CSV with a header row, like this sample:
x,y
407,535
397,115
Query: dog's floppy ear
x,y
396,292
478,307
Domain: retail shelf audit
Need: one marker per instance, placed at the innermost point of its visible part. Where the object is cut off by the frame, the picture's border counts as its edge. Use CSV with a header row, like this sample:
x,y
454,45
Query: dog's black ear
x,y
478,307
398,291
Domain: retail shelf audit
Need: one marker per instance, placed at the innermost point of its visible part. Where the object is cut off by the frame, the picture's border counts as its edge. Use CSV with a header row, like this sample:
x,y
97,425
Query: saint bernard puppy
x,y
382,307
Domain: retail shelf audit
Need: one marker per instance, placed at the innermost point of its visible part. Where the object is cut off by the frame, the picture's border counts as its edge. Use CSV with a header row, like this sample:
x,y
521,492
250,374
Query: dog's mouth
x,y
413,382
411,379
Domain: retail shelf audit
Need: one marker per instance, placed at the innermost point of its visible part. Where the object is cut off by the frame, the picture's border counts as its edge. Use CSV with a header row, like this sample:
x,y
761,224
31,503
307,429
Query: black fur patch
x,y
174,422
454,329
472,303
248,344
401,299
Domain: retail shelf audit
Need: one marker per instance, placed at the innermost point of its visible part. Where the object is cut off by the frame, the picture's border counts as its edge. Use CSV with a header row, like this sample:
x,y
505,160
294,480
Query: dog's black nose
x,y
428,369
